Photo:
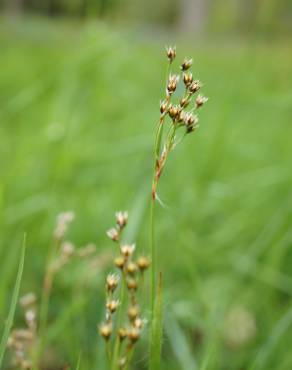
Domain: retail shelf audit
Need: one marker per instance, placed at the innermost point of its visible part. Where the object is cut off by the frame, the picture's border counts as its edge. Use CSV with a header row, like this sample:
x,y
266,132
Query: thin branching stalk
x,y
163,145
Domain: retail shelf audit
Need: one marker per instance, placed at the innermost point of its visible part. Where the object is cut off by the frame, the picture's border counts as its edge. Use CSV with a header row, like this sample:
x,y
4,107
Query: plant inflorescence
x,y
121,330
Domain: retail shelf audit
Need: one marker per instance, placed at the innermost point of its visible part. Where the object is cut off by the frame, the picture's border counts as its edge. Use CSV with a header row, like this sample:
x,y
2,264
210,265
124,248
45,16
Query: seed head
x,y
173,111
186,64
139,323
188,78
112,281
105,331
172,83
163,106
30,318
120,262
181,116
122,333
132,268
113,234
122,219
171,53
63,221
27,300
132,284
184,102
195,86
68,249
127,250
200,100
190,121
133,335
133,312
143,263
112,305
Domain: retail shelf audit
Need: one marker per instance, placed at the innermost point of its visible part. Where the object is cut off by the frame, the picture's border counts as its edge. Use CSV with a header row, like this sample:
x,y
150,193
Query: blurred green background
x,y
80,83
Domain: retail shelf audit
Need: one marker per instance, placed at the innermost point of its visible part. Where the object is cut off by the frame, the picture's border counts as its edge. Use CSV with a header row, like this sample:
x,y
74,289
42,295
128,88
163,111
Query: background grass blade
x,y
13,303
157,325
78,362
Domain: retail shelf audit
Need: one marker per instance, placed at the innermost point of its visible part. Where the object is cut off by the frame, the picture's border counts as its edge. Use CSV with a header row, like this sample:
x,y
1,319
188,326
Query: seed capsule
x,y
171,53
195,86
105,331
139,323
122,219
186,64
172,83
143,263
127,250
173,111
132,268
113,234
200,100
122,333
112,305
163,106
184,102
132,284
120,262
133,335
188,79
133,312
112,281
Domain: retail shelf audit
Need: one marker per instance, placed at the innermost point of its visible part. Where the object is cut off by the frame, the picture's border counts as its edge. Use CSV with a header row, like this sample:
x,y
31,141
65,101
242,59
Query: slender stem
x,y
116,353
157,146
153,254
44,307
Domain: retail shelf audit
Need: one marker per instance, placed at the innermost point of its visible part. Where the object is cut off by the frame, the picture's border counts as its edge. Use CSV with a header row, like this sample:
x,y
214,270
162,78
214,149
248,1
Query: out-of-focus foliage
x,y
78,107
242,16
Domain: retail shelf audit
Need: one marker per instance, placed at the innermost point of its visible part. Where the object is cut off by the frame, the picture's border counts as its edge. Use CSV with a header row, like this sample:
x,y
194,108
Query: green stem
x,y
153,254
44,307
116,353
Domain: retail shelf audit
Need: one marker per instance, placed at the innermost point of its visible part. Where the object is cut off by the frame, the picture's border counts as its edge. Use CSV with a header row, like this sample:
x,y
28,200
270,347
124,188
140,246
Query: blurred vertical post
x,y
193,16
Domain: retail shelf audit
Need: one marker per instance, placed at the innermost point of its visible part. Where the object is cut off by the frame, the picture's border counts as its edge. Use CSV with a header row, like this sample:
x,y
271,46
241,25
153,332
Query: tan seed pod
x,y
113,234
27,300
112,281
172,83
132,284
171,53
120,262
132,268
184,102
143,263
200,100
112,305
186,64
122,333
187,78
127,250
133,312
195,86
173,111
122,219
105,331
133,335
163,106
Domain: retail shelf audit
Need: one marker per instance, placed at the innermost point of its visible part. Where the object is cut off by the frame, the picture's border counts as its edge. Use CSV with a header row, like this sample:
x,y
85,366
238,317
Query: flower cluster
x,y
22,340
179,116
123,335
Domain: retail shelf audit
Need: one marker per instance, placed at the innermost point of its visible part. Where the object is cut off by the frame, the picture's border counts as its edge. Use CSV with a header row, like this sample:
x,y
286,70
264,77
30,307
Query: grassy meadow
x,y
78,109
